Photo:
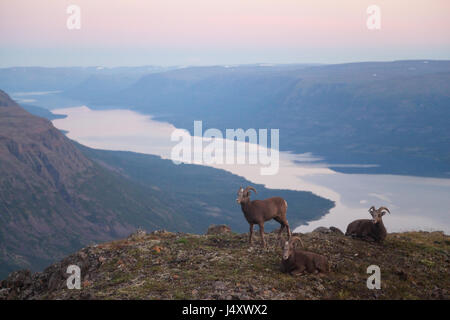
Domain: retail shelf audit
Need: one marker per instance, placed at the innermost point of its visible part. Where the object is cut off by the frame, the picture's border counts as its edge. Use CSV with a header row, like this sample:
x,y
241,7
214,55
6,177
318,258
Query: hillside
x,y
165,265
54,200
57,196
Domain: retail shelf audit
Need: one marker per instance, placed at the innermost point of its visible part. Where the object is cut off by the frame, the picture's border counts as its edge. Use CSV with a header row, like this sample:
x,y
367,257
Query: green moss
x,y
120,277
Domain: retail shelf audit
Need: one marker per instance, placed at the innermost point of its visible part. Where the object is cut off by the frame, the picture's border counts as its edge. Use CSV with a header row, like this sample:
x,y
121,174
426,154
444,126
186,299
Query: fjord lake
x,y
416,203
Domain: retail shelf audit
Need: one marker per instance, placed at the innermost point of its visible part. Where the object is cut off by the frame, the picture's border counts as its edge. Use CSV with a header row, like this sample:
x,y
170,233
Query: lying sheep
x,y
369,229
296,261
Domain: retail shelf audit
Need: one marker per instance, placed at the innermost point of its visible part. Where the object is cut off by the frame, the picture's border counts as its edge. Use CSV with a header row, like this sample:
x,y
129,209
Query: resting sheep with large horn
x,y
260,211
369,229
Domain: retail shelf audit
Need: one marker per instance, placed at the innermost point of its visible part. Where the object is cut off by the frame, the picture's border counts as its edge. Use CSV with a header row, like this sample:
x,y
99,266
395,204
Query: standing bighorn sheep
x,y
369,229
260,211
297,261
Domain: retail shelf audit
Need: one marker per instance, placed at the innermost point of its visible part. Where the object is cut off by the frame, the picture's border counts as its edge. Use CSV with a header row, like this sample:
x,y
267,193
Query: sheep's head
x,y
377,213
243,195
289,246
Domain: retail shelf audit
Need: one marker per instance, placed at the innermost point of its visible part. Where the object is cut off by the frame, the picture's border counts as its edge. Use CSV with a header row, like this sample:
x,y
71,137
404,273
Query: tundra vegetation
x,y
165,265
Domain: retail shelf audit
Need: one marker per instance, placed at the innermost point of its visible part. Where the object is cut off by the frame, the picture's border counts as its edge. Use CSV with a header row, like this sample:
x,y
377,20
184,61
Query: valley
x,y
57,196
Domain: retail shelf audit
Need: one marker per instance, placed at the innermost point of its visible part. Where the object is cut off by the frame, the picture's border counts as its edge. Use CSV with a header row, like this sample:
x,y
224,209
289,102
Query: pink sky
x,y
239,24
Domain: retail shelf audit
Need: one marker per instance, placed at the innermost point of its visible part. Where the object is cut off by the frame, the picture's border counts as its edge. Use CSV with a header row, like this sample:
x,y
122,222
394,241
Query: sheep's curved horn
x,y
250,188
383,208
293,239
372,208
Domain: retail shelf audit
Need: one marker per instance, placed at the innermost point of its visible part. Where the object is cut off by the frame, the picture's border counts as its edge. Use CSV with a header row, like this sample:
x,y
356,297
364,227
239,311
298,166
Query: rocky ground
x,y
164,265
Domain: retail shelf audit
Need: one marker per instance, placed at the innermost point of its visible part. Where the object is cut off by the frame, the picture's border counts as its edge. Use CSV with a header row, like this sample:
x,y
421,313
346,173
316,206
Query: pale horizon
x,y
199,32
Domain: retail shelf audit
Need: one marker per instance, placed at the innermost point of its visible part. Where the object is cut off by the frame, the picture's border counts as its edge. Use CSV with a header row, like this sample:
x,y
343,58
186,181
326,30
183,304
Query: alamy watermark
x,y
74,20
374,20
74,280
236,147
374,281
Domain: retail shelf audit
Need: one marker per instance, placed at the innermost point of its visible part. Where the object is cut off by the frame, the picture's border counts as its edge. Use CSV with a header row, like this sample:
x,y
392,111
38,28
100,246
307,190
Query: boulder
x,y
336,230
137,235
322,230
218,229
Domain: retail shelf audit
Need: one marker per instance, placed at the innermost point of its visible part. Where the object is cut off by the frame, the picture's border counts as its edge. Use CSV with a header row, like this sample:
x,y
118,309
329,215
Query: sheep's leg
x,y
281,225
261,232
321,271
284,224
288,230
368,238
281,230
297,272
251,233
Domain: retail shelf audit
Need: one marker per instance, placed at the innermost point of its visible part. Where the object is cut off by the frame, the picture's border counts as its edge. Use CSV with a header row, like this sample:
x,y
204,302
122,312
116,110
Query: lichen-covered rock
x,y
336,230
138,234
322,230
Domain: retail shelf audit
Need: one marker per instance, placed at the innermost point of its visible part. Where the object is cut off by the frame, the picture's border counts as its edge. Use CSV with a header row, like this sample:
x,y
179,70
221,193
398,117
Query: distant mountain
x,y
23,79
102,85
19,79
57,196
41,112
392,114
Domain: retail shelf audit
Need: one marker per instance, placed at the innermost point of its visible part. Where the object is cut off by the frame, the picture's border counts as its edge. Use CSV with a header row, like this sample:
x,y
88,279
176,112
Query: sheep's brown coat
x,y
260,211
369,229
296,261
